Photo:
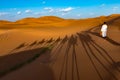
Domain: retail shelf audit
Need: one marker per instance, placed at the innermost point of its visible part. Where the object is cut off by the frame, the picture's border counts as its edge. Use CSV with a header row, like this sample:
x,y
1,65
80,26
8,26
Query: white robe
x,y
104,30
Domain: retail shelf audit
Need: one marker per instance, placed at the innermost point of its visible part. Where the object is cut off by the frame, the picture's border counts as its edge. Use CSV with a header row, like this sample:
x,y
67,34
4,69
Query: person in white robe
x,y
104,30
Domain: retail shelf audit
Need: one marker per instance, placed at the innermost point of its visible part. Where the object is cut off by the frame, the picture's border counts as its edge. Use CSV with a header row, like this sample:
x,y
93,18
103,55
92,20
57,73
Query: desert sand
x,y
52,48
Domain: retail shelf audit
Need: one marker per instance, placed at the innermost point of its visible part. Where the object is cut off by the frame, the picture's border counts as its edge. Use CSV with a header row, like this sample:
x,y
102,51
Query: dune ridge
x,y
74,49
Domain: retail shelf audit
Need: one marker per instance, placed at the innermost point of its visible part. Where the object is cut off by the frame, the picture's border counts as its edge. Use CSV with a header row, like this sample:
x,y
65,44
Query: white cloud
x,y
3,13
115,8
102,5
65,10
43,2
49,9
28,11
19,13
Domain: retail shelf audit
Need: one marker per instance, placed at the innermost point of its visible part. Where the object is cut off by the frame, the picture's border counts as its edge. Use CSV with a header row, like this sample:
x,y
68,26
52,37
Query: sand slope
x,y
71,52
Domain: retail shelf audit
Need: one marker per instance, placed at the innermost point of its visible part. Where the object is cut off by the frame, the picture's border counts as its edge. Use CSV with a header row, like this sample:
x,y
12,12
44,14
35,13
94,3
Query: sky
x,y
13,10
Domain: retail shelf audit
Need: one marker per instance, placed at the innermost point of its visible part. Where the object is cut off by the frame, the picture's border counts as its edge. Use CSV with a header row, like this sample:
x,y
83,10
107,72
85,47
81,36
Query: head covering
x,y
104,22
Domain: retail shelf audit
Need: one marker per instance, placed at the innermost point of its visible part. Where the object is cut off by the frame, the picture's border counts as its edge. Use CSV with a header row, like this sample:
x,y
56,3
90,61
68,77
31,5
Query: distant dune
x,y
41,20
52,48
52,21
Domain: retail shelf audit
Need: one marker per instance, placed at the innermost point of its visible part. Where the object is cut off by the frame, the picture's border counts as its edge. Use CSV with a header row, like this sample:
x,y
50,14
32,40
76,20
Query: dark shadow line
x,y
59,47
19,47
101,62
66,61
87,40
41,42
107,38
17,66
72,66
107,56
55,55
117,64
101,53
63,64
104,52
56,50
65,58
95,44
83,44
49,41
75,57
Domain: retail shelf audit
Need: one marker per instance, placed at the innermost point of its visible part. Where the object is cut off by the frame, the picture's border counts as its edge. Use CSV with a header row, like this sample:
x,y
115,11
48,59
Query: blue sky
x,y
13,10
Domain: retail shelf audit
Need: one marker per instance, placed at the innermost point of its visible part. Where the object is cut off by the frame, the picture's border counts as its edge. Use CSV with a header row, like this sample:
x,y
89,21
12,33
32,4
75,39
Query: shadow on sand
x,y
86,41
58,48
71,43
107,38
15,61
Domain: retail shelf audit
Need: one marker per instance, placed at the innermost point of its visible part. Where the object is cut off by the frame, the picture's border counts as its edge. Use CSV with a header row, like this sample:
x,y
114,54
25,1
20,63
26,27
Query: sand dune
x,y
51,48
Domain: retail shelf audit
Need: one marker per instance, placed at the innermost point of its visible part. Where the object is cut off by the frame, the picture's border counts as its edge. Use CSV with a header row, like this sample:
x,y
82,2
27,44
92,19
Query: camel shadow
x,y
72,43
41,42
86,41
34,43
20,46
58,48
50,41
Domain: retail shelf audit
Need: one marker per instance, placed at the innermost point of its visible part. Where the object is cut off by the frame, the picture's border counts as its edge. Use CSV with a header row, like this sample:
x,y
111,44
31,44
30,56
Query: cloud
x,y
28,11
115,8
19,13
66,10
49,9
102,5
43,2
3,13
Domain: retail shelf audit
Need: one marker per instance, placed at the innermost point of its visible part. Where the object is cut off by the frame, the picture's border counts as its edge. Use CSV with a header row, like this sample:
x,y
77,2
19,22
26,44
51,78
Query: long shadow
x,y
65,59
117,64
100,50
86,41
17,60
47,42
58,39
41,42
34,43
51,40
81,37
58,48
107,38
72,42
20,46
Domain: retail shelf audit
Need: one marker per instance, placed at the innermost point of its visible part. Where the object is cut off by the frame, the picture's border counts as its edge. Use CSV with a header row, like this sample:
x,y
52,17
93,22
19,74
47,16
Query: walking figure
x,y
104,30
